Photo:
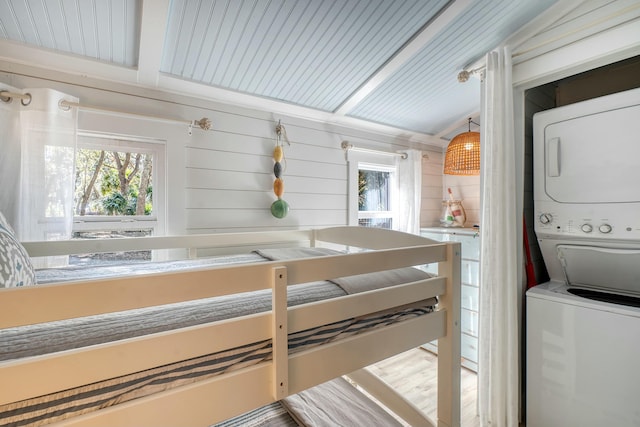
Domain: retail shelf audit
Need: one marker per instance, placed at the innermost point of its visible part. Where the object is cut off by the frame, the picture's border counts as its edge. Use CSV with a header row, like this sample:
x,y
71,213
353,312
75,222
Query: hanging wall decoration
x,y
279,208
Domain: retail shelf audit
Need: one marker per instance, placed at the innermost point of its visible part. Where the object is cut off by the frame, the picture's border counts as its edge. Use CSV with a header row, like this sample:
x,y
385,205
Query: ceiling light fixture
x,y
463,154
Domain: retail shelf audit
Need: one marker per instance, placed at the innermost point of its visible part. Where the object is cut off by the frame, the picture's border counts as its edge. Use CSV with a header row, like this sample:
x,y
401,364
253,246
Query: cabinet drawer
x,y
469,322
470,297
469,348
470,272
470,245
469,294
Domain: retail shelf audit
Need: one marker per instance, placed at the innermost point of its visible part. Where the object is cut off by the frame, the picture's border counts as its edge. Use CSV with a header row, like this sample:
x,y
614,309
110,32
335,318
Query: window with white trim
x,y
377,195
114,192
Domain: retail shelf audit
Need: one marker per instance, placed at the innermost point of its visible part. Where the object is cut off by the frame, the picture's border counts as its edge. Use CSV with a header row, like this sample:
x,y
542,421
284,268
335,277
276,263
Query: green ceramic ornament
x,y
279,208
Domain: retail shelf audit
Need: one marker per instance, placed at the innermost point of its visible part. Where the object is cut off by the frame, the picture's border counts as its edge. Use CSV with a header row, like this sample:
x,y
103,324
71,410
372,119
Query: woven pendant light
x,y
463,154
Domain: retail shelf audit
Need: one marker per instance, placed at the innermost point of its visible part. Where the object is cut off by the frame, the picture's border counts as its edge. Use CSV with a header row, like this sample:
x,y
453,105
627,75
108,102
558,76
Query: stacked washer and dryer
x,y
583,326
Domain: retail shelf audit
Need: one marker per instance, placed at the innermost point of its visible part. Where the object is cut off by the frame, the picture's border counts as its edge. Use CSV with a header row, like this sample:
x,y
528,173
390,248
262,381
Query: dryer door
x,y
593,158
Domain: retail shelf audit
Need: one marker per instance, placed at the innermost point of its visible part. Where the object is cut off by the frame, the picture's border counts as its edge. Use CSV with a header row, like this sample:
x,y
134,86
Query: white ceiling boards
x,y
391,63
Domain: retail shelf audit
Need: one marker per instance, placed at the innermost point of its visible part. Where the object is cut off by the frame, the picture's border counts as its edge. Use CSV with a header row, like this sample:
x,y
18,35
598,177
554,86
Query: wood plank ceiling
x,y
387,62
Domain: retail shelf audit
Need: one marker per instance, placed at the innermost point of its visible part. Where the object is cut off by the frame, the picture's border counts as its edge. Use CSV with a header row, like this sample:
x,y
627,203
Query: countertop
x,y
452,230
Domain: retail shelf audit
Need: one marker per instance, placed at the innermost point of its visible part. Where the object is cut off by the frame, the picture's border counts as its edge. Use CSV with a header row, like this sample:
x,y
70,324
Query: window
x,y
111,182
114,192
377,192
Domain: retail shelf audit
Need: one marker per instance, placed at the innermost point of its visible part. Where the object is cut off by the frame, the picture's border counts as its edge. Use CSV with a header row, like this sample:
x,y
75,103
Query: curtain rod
x,y
25,98
6,97
346,146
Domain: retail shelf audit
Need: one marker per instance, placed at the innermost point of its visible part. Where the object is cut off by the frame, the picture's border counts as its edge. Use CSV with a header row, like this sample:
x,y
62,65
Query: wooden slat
x,y
67,247
74,368
37,304
324,312
200,404
24,306
371,238
214,400
335,266
321,364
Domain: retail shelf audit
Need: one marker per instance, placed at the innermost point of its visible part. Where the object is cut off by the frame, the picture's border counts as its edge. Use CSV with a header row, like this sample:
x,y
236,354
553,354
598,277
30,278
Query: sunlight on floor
x,y
414,375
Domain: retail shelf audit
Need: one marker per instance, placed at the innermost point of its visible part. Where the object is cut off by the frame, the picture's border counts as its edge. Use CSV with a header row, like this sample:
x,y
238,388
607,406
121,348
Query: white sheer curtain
x,y
47,172
498,370
37,166
410,194
9,155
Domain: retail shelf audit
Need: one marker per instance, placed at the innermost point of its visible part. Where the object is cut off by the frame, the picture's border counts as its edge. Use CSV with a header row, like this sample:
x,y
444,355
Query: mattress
x,y
334,403
33,340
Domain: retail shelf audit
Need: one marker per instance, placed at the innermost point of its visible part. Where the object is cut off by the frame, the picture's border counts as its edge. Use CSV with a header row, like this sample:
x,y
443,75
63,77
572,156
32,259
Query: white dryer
x,y
583,327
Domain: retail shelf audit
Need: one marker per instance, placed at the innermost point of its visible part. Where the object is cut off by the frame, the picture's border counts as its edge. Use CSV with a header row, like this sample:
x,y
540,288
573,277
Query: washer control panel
x,y
589,221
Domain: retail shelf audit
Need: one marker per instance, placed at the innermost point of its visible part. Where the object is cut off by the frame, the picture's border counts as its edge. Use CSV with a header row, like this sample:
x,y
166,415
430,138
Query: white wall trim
x,y
602,48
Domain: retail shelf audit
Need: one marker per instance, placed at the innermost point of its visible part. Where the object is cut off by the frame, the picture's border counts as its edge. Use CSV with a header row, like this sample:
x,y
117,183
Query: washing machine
x,y
583,326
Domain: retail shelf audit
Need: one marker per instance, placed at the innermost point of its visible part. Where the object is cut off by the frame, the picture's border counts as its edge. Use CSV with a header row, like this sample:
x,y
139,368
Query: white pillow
x,y
5,224
15,265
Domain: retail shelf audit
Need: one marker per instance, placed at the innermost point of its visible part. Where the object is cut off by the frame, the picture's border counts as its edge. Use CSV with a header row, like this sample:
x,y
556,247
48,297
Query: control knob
x,y
546,218
587,228
605,228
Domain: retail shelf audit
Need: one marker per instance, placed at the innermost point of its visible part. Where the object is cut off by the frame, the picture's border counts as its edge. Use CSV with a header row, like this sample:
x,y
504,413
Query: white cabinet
x,y
470,293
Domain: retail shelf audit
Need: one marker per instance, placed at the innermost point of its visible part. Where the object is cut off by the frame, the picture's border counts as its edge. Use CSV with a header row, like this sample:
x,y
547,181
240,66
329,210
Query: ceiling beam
x,y
188,88
429,31
153,26
459,125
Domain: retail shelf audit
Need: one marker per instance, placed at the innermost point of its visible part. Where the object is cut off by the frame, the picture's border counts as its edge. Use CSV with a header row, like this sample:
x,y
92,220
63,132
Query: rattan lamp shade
x,y
463,155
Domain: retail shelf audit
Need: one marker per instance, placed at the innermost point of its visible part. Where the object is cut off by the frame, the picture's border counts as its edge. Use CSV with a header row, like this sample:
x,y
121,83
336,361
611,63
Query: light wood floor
x,y
414,375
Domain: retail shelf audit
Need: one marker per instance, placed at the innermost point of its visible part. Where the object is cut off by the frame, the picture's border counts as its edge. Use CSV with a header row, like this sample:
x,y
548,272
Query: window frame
x,y
122,143
367,161
392,213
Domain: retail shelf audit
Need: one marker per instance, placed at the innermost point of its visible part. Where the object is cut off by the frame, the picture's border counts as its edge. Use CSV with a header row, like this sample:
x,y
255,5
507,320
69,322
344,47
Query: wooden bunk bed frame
x,y
247,388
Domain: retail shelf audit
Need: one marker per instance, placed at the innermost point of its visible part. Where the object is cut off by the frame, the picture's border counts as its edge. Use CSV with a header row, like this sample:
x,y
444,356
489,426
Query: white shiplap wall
x,y
467,189
222,179
434,191
229,177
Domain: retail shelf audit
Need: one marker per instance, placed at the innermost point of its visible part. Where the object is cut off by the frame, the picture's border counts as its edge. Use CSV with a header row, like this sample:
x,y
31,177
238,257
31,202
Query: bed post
x,y
280,344
449,345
